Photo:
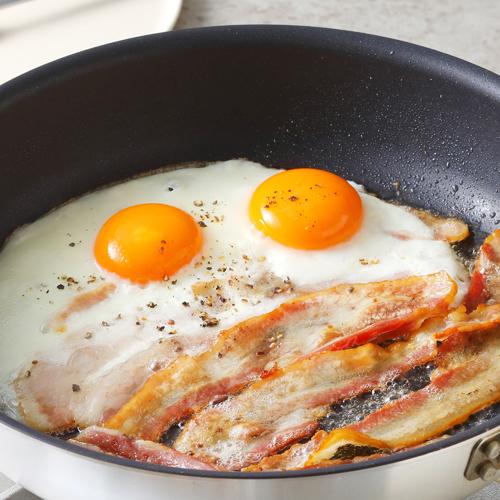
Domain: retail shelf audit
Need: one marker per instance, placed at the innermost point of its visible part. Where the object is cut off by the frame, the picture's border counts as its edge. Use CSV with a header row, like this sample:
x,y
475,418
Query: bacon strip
x,y
285,407
115,443
297,456
469,382
241,411
294,458
447,229
485,279
342,316
484,317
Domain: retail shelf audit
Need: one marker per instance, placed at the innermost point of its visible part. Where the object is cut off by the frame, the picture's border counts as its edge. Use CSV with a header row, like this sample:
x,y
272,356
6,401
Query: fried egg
x,y
185,253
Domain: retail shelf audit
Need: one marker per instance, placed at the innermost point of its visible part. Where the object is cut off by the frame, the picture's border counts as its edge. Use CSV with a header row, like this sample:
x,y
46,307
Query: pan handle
x,y
484,460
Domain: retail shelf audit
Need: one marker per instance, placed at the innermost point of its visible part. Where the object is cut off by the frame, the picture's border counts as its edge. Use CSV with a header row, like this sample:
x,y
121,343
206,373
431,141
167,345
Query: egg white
x,y
40,256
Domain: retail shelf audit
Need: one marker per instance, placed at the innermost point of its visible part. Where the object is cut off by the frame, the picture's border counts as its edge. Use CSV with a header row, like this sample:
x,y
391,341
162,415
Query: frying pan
x,y
409,123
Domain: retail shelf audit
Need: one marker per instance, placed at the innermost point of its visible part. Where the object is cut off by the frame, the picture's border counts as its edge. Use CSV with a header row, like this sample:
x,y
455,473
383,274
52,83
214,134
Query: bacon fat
x,y
114,443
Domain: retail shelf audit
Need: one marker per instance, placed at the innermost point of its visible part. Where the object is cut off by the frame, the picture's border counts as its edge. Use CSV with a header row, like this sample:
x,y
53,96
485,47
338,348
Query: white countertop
x,y
469,29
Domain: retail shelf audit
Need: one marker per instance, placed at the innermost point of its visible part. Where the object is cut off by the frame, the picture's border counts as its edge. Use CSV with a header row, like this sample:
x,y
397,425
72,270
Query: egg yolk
x,y
306,208
147,242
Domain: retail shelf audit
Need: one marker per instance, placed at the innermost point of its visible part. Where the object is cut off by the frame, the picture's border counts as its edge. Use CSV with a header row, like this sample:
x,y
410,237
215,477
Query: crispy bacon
x,y
294,458
485,279
342,316
467,381
285,407
115,443
447,229
484,317
297,456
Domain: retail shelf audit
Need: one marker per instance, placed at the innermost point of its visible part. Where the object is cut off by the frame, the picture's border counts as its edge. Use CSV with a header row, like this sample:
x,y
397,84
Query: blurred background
x,y
34,32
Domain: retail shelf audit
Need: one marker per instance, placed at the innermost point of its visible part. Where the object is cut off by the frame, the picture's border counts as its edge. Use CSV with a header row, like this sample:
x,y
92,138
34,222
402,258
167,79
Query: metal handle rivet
x,y
487,472
484,460
492,450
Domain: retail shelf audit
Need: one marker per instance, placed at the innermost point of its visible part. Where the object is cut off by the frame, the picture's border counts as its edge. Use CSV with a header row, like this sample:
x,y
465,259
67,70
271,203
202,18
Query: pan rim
x,y
416,452
424,59
417,56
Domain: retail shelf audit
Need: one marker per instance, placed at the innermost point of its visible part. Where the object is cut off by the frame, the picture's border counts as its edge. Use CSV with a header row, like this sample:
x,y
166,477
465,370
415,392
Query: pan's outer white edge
x,y
57,474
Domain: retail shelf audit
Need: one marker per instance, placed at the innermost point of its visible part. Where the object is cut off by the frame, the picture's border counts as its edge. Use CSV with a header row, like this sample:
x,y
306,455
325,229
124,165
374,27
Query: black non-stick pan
x,y
411,124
